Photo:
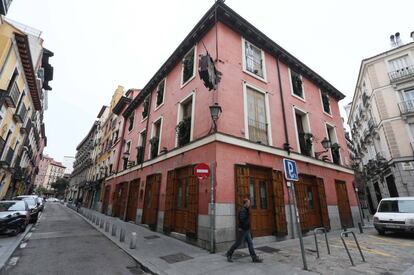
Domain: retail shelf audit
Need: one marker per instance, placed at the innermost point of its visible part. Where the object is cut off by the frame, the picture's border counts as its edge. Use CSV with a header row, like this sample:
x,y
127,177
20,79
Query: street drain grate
x,y
151,237
310,250
135,270
175,258
268,249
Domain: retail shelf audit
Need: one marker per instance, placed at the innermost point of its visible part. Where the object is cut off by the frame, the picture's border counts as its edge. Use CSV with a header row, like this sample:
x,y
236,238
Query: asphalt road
x,y
63,243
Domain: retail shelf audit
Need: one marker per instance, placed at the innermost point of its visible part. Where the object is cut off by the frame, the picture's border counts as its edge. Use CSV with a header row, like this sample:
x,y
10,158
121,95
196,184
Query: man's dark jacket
x,y
244,218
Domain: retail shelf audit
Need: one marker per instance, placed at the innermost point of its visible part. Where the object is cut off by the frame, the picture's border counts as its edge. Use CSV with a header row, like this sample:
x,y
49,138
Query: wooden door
x,y
279,203
132,200
106,199
181,204
169,202
257,183
344,208
120,202
151,201
308,203
192,205
261,208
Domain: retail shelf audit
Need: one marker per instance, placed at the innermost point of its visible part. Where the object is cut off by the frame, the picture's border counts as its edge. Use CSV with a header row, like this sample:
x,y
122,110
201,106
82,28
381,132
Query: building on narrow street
x,y
49,171
25,73
267,106
381,117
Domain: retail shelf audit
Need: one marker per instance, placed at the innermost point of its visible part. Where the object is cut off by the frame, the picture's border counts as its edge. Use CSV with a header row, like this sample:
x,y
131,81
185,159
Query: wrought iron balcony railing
x,y
20,114
401,74
406,107
10,97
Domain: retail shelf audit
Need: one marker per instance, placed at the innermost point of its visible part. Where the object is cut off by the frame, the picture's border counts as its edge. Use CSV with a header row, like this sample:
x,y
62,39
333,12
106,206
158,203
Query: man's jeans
x,y
245,235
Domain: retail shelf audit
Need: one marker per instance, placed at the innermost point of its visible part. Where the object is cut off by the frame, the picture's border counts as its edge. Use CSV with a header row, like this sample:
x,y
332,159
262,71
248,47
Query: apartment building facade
x,y
270,106
382,121
24,79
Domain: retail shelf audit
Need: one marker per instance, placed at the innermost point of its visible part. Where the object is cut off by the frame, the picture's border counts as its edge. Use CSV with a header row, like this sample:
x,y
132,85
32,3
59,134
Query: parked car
x,y
34,207
395,214
14,217
38,199
52,200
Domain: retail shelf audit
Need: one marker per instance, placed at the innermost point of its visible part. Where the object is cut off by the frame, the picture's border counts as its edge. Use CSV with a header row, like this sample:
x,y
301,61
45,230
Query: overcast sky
x,y
100,44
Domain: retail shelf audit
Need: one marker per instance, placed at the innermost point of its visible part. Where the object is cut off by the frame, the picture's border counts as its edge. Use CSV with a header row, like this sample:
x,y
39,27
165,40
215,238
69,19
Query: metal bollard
x,y
93,219
101,225
97,220
133,242
106,226
361,230
113,232
122,235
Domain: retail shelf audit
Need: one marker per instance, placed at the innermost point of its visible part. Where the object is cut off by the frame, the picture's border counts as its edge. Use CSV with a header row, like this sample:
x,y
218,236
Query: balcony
x,y
140,154
25,129
305,143
8,160
401,74
20,114
10,97
406,107
257,131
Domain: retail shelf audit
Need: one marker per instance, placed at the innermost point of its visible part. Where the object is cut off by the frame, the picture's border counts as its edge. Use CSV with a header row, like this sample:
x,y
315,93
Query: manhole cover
x,y
175,258
239,255
135,270
151,237
268,249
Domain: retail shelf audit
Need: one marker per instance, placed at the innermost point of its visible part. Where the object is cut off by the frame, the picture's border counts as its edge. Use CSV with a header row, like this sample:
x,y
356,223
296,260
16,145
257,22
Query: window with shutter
x,y
256,116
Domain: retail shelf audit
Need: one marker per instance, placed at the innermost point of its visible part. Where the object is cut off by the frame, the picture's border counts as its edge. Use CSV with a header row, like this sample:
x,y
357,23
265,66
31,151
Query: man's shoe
x,y
229,259
257,260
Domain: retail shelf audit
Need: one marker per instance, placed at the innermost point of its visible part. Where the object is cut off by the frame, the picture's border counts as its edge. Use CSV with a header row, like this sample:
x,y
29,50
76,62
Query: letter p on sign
x,y
291,172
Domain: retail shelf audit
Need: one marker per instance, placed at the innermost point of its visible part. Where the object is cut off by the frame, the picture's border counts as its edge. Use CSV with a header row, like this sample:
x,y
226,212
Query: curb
x,y
145,266
13,248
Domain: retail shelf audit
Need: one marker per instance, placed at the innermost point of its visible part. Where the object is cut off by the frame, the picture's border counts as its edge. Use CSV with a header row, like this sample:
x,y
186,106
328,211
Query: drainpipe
x,y
144,144
286,145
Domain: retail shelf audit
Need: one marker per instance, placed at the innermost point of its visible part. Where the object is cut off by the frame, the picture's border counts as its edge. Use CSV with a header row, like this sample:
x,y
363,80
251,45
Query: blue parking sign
x,y
291,172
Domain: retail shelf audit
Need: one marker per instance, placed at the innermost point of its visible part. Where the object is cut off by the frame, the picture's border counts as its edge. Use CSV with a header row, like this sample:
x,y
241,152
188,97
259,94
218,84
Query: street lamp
x,y
326,144
215,111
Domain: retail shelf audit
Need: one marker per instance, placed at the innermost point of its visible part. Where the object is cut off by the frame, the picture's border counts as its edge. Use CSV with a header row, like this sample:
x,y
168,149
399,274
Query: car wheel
x,y
381,231
14,232
23,227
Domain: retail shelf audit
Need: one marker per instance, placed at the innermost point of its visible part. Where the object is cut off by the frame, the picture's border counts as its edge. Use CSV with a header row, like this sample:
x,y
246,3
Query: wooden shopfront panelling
x,y
151,200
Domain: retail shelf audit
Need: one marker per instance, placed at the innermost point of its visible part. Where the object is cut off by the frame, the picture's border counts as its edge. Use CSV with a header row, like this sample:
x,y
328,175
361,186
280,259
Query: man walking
x,y
244,233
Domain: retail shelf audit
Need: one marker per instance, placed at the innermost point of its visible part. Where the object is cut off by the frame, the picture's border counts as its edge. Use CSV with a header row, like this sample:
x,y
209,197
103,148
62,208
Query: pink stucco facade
x,y
230,146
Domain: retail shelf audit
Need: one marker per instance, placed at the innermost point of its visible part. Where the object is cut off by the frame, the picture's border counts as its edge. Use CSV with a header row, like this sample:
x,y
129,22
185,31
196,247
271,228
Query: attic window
x,y
325,103
160,92
188,66
253,59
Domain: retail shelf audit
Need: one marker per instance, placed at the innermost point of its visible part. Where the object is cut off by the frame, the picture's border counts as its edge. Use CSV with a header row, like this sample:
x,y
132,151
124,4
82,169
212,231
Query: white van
x,y
395,214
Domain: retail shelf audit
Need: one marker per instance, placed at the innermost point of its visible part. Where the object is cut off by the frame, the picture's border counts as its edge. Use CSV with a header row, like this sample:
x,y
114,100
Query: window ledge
x,y
298,97
159,106
188,81
255,76
144,119
328,114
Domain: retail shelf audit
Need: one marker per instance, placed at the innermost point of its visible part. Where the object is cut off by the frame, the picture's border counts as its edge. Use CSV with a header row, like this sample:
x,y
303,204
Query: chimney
x,y
412,35
392,41
398,40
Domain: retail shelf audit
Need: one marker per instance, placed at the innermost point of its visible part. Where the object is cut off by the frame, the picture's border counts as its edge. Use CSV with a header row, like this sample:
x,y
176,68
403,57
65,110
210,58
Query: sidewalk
x,y
160,254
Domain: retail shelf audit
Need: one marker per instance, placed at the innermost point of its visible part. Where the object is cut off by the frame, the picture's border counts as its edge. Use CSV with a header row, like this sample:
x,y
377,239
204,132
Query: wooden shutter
x,y
300,194
279,203
169,203
192,212
323,204
156,183
242,185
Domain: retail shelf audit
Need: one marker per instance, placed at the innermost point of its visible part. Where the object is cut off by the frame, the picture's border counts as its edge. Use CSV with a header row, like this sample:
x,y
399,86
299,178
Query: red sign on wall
x,y
202,171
